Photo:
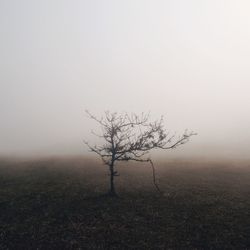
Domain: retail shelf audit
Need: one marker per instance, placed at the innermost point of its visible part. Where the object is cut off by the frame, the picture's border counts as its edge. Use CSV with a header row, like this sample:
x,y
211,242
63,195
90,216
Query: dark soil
x,y
61,204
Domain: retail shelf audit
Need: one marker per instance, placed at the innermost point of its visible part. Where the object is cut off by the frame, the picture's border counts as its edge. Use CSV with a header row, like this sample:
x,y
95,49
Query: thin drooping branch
x,y
154,179
153,172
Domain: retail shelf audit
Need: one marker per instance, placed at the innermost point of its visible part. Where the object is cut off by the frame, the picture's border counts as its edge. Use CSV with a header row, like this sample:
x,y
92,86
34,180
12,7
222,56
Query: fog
x,y
186,60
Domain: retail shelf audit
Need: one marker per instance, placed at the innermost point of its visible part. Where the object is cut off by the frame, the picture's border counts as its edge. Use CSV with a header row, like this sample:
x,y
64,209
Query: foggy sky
x,y
186,60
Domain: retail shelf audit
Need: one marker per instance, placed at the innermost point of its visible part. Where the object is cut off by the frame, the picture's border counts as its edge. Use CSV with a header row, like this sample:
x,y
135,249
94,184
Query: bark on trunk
x,y
112,186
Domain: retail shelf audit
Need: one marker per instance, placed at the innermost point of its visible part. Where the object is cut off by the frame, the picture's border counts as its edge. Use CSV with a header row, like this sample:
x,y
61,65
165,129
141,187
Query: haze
x,y
186,60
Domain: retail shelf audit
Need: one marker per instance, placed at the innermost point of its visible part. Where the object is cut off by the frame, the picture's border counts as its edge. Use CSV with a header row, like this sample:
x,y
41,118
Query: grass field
x,y
59,204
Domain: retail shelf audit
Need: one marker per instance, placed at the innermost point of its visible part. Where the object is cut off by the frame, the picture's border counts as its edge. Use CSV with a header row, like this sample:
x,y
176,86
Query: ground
x,y
61,204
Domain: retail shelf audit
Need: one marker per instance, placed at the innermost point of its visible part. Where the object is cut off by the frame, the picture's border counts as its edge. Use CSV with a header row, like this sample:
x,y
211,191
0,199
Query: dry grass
x,y
59,204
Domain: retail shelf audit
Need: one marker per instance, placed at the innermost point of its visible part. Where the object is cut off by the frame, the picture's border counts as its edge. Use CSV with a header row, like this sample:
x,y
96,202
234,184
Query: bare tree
x,y
130,137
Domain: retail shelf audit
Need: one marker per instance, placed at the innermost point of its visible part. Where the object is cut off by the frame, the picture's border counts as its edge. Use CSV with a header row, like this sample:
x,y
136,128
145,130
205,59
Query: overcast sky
x,y
188,60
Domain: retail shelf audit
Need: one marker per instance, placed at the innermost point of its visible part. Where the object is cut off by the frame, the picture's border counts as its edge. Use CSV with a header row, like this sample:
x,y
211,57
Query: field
x,y
60,203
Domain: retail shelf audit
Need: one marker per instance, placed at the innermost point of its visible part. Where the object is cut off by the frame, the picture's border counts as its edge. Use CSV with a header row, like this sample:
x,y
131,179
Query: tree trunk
x,y
112,186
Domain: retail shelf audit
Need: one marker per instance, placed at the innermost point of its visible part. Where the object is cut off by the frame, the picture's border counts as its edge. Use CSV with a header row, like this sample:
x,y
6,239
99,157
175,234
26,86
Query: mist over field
x,y
188,61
